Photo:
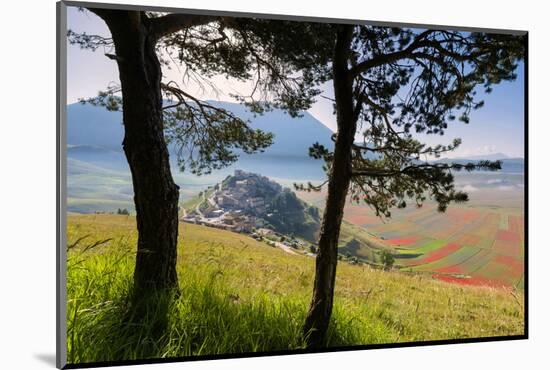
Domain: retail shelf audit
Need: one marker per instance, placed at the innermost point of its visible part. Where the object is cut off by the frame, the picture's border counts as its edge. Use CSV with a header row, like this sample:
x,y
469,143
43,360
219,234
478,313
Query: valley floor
x,y
240,295
480,243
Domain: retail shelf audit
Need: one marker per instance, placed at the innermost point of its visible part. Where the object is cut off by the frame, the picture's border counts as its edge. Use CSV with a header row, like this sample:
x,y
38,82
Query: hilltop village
x,y
249,203
232,205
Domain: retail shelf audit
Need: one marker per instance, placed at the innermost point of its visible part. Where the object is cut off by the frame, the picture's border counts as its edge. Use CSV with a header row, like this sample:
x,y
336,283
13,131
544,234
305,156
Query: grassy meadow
x,y
240,295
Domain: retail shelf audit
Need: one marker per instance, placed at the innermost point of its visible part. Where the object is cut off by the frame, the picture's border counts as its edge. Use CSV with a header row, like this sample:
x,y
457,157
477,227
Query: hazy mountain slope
x,y
95,126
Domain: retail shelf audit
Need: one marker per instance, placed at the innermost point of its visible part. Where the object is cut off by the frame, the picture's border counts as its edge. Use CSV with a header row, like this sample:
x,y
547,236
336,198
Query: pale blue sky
x,y
498,127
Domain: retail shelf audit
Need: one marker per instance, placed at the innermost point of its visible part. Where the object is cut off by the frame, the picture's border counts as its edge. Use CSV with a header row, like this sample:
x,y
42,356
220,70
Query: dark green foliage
x,y
285,74
385,183
207,137
123,211
406,82
290,215
285,60
387,259
313,212
89,42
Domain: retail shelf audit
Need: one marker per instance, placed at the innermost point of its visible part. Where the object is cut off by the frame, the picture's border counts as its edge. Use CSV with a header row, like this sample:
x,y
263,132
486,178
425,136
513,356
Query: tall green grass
x,y
237,295
204,318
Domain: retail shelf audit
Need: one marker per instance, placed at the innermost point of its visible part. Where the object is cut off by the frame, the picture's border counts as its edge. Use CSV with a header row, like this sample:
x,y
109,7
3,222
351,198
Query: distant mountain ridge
x,y
95,134
89,125
489,157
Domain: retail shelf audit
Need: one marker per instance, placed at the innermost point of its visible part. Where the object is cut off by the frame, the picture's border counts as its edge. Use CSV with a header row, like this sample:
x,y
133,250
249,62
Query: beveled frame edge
x,y
61,161
288,17
61,186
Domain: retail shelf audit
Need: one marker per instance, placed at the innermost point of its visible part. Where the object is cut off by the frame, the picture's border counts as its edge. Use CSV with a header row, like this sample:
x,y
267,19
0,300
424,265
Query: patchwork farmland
x,y
480,243
466,245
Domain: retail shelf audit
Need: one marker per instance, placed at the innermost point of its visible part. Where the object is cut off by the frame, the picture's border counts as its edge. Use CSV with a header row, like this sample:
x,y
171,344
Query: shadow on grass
x,y
204,319
210,315
132,328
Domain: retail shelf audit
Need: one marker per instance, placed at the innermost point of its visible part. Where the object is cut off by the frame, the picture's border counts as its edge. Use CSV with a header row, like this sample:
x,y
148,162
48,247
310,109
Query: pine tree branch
x,y
391,57
171,23
415,168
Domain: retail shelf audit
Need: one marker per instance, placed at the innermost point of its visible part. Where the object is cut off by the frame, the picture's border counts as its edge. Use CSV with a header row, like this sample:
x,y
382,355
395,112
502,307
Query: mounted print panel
x,y
236,185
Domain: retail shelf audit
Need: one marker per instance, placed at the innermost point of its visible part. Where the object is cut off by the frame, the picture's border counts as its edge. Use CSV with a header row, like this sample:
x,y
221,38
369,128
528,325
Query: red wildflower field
x,y
440,253
507,235
474,281
456,269
402,241
464,215
360,216
497,233
513,263
467,239
514,223
507,248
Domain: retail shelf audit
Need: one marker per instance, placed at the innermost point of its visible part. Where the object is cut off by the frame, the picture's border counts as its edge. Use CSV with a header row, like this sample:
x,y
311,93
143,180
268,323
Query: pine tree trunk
x,y
155,193
320,310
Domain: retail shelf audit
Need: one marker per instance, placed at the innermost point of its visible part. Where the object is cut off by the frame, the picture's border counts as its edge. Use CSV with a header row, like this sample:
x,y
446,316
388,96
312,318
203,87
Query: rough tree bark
x,y
155,192
318,317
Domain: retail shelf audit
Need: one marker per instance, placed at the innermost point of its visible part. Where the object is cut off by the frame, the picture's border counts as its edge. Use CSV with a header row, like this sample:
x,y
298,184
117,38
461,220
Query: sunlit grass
x,y
239,295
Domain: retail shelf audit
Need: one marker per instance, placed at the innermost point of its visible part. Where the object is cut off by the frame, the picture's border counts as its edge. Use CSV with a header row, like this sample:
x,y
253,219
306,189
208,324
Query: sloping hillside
x,y
241,295
96,127
247,201
94,138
